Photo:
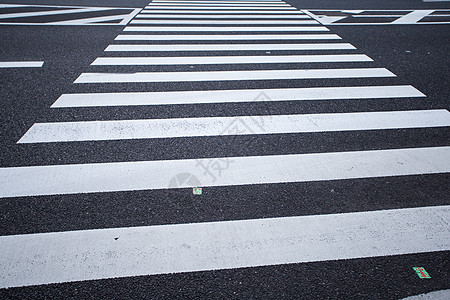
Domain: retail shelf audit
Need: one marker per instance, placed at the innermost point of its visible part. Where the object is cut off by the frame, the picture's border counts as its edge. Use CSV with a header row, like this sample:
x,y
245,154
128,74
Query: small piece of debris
x,y
407,51
116,238
197,191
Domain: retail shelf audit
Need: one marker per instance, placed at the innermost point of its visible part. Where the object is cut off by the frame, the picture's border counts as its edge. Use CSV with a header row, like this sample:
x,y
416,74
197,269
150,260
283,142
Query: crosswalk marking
x,y
230,96
216,1
215,126
223,8
61,257
210,22
226,2
232,75
229,47
193,60
21,64
217,37
200,16
146,175
249,11
223,29
229,1
95,254
200,5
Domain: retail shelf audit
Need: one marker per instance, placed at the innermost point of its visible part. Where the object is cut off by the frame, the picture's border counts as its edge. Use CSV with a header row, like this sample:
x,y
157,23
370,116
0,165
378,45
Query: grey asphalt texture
x,y
417,54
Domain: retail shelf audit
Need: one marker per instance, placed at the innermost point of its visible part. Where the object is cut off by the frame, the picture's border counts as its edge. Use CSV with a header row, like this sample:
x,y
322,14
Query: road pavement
x,y
322,151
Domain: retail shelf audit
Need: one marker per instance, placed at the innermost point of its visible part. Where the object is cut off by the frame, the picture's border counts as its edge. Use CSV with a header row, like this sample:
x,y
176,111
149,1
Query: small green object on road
x,y
421,272
197,191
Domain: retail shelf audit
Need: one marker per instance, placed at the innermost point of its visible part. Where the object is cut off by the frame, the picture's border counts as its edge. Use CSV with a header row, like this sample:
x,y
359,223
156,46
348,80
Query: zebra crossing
x,y
315,57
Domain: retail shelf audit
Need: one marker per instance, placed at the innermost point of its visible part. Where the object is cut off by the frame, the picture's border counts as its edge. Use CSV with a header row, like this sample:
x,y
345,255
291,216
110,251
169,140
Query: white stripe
x,y
192,60
203,16
146,175
227,28
201,5
89,21
231,22
249,11
216,126
57,257
21,64
51,12
413,17
232,75
218,8
225,2
216,37
230,96
229,1
230,47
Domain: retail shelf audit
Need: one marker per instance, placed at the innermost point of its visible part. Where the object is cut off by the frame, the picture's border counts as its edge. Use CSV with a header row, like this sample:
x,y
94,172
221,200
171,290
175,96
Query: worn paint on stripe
x,y
57,257
215,126
230,96
193,60
230,47
232,75
147,175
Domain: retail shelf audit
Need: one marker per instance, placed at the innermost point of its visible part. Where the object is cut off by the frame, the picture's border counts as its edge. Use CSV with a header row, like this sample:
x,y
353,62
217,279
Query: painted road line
x,y
193,60
230,1
232,75
231,96
218,8
413,17
223,29
148,175
230,47
53,12
21,64
249,11
225,2
228,37
57,257
217,126
230,4
230,22
200,16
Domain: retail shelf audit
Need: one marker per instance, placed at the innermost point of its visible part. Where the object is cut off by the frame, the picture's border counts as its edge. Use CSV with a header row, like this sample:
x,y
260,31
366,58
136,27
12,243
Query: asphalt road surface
x,y
318,132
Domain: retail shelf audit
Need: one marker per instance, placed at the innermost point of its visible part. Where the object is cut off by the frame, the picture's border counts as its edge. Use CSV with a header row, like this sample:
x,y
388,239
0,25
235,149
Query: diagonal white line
x,y
52,12
413,17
